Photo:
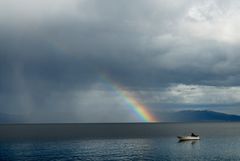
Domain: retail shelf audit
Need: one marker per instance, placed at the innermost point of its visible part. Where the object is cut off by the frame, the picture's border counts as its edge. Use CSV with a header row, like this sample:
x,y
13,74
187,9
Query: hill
x,y
198,115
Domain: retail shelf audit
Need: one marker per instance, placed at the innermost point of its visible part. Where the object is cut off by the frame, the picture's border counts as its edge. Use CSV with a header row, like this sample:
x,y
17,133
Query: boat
x,y
190,137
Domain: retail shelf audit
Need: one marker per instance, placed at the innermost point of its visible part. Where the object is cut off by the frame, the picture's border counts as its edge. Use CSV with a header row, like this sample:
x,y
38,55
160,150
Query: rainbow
x,y
134,105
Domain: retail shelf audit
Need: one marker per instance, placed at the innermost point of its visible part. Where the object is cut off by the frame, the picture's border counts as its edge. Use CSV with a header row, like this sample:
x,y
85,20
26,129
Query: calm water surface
x,y
219,141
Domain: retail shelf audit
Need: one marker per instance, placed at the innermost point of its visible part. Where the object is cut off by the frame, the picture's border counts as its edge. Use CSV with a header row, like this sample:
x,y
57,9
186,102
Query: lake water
x,y
219,141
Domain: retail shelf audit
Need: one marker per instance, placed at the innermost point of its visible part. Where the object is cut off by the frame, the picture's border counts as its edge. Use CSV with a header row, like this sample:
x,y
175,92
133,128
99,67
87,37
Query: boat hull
x,y
185,138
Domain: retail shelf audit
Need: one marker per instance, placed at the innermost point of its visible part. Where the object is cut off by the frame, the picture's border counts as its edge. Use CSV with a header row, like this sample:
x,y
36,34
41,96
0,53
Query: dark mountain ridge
x,y
198,115
179,116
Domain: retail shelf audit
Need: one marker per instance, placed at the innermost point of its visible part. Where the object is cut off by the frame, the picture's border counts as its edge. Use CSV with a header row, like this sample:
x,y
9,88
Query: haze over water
x,y
219,141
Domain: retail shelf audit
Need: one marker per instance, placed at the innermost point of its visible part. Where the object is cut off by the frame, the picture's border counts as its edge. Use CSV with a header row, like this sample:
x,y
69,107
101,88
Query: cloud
x,y
216,20
61,47
195,94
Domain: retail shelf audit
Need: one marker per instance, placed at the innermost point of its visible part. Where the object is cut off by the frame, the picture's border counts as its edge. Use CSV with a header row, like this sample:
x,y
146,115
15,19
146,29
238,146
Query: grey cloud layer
x,y
60,47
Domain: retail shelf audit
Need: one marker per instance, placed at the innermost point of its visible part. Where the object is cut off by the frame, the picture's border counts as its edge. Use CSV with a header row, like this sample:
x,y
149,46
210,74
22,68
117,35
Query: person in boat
x,y
193,135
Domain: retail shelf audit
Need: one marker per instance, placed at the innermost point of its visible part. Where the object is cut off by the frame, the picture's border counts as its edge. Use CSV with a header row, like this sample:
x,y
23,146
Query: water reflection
x,y
188,141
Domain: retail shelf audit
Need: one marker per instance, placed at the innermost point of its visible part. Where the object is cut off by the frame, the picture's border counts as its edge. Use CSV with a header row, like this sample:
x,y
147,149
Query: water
x,y
219,141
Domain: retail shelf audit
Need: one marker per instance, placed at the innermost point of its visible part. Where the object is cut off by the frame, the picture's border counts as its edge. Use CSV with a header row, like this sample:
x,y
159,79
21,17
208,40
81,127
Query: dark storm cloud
x,y
117,38
60,47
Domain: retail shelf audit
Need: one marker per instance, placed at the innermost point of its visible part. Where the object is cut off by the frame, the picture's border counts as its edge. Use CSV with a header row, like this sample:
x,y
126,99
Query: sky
x,y
170,55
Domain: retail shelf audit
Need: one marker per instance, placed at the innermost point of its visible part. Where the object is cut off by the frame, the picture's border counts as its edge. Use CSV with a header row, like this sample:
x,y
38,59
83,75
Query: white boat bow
x,y
185,138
